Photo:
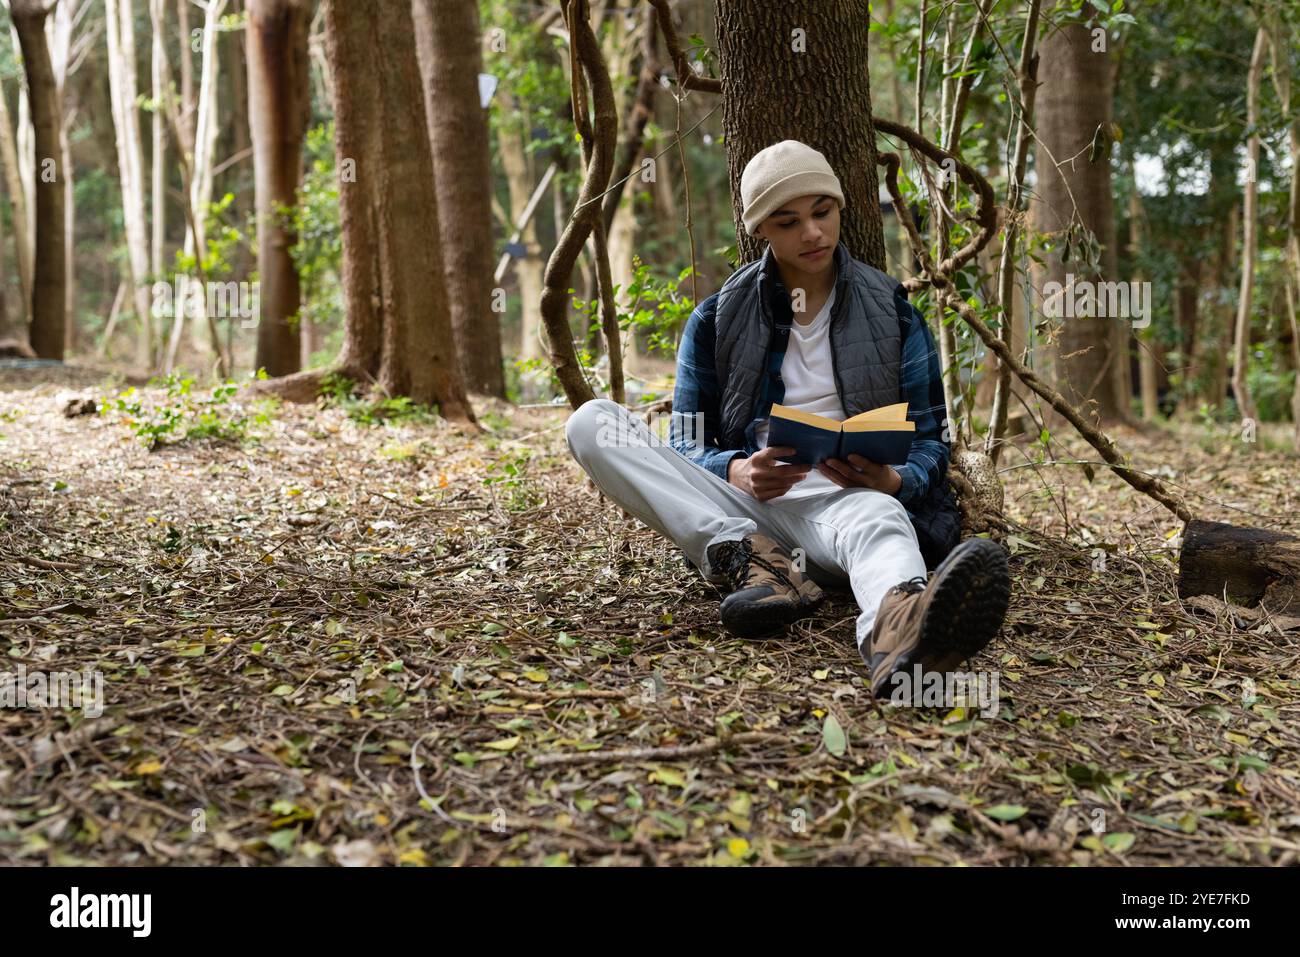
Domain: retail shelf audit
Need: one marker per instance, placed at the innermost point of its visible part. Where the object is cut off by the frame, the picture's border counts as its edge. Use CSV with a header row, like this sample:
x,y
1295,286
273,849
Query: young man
x,y
810,327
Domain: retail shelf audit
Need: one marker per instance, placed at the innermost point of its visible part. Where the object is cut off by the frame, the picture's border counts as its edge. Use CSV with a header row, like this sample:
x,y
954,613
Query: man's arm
x,y
694,428
921,382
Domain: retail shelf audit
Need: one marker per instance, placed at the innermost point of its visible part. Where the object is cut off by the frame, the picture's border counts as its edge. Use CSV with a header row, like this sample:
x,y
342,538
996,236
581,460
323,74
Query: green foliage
x,y
318,253
508,473
341,392
655,309
1271,384
182,416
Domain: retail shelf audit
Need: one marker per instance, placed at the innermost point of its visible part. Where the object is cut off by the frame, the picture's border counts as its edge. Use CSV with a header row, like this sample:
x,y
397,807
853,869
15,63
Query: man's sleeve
x,y
921,381
694,427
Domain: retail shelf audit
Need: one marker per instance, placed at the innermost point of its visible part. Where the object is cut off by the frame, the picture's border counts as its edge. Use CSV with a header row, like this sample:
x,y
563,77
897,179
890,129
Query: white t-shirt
x,y
809,385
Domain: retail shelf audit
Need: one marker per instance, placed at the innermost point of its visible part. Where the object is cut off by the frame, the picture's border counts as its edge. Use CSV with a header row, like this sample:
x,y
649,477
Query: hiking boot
x,y
941,624
767,591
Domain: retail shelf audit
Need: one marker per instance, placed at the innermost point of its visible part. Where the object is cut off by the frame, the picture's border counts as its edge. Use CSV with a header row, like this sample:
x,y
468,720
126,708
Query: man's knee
x,y
886,517
582,430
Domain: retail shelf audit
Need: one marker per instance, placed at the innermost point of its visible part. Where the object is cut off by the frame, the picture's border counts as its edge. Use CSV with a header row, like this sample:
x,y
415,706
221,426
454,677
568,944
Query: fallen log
x,y
1252,566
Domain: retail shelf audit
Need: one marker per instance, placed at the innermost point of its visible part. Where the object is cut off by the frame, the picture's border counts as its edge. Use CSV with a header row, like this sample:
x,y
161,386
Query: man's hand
x,y
762,476
858,472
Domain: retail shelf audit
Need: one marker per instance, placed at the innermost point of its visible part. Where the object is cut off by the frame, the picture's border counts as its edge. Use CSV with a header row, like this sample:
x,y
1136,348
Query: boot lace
x,y
738,558
911,586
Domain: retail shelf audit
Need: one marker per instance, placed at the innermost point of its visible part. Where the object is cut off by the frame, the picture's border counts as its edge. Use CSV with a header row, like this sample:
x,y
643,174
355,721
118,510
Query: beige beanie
x,y
784,171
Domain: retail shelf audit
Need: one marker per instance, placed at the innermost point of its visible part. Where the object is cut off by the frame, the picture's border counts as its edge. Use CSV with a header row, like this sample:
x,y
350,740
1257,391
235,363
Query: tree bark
x,y
1249,226
49,293
1252,565
120,31
1074,110
278,91
528,267
17,191
798,70
398,330
159,81
450,62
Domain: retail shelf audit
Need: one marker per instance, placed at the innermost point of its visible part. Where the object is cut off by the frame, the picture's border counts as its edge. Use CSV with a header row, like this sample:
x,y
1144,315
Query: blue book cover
x,y
881,435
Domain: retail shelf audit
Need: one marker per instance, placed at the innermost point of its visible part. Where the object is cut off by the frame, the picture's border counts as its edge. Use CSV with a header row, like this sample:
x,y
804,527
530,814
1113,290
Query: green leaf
x,y
833,736
1119,843
1007,812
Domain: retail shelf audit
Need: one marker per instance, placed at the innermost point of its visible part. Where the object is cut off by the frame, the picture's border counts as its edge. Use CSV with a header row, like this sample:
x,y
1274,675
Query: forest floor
x,y
333,643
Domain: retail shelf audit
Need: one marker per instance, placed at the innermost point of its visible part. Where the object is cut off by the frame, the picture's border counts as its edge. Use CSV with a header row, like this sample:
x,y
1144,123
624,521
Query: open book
x,y
882,435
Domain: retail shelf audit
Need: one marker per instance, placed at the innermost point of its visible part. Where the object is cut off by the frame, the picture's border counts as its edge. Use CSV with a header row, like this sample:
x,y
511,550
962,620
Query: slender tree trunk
x,y
49,293
1249,224
398,320
149,345
17,190
120,31
199,188
1073,105
528,267
450,62
1279,48
189,108
1147,358
278,89
798,70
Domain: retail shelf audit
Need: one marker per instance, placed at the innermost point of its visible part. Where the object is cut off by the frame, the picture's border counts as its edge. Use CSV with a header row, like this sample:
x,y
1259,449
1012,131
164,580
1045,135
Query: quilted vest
x,y
866,347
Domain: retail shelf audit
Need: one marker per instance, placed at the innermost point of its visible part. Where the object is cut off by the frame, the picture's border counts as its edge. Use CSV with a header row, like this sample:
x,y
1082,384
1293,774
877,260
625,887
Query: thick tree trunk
x,y
1251,565
450,62
1074,109
49,293
798,70
278,89
398,320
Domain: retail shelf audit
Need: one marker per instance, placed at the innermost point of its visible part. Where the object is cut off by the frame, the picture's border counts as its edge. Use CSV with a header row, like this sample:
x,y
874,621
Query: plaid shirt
x,y
697,395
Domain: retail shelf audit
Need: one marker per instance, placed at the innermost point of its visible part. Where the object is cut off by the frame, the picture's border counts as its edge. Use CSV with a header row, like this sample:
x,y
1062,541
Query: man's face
x,y
803,233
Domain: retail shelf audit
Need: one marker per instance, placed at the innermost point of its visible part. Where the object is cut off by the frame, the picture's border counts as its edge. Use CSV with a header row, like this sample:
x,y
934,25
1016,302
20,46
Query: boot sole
x,y
757,620
966,612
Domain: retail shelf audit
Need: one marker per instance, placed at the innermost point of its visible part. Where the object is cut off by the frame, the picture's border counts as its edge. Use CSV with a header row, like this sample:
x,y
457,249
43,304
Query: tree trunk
x,y
120,30
798,70
149,345
1147,345
398,330
199,188
1074,109
14,185
1249,225
450,62
278,90
528,267
189,109
1250,565
49,293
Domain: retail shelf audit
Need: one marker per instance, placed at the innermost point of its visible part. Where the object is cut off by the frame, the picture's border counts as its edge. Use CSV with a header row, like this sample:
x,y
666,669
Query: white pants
x,y
856,536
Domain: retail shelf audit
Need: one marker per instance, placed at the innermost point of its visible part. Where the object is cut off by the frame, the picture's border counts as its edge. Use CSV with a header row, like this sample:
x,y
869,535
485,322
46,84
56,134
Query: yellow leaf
x,y
667,776
414,855
819,712
148,767
738,847
821,674
504,744
535,675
